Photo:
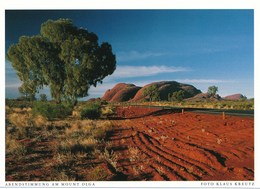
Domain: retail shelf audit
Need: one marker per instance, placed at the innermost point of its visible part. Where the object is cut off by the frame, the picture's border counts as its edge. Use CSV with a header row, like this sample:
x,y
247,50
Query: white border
x,y
129,4
133,4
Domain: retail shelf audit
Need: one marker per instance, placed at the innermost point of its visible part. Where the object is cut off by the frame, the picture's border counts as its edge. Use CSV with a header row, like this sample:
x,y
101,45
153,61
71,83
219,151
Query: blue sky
x,y
198,47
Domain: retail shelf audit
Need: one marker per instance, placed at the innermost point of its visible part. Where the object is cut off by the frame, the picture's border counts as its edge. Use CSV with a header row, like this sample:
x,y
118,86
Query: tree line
x,y
152,93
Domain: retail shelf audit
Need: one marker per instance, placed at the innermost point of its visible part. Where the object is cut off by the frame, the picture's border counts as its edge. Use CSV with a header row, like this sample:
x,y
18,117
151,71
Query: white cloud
x,y
210,81
141,71
13,85
99,91
101,88
135,55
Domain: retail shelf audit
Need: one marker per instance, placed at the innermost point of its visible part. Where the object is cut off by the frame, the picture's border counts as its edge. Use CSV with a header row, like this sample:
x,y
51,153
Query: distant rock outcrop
x,y
166,88
235,97
204,97
129,92
121,92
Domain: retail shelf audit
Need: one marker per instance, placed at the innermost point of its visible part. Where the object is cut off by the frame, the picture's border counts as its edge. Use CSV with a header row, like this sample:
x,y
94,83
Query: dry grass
x,y
40,121
102,129
97,174
164,137
20,119
219,140
134,154
138,170
89,143
61,161
190,169
84,136
15,147
64,176
22,133
73,143
77,146
160,170
61,165
109,157
82,125
80,129
108,110
76,113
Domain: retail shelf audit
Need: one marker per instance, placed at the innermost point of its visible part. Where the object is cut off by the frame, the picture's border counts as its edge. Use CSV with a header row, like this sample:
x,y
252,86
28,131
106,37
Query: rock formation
x,y
129,92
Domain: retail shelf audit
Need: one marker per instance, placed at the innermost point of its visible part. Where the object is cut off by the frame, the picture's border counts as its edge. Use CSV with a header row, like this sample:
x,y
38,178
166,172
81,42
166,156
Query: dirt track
x,y
160,145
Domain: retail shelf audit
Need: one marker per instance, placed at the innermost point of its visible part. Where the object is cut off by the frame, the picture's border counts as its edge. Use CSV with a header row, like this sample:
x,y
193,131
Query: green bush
x,y
43,97
17,103
50,110
91,111
176,96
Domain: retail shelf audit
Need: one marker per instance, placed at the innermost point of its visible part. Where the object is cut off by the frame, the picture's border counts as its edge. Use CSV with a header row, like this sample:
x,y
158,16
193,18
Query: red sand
x,y
154,144
189,146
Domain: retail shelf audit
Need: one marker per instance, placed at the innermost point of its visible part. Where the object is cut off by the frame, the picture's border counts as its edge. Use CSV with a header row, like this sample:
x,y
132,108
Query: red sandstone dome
x,y
235,97
129,92
121,92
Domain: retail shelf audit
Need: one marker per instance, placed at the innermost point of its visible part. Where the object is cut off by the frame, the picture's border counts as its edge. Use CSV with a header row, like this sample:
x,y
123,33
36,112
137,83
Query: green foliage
x,y
212,90
18,103
51,110
177,96
43,97
152,93
63,57
91,110
243,97
27,93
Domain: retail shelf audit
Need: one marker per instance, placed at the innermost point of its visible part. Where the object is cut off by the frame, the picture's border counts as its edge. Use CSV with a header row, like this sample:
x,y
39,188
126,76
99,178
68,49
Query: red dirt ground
x,y
154,144
190,146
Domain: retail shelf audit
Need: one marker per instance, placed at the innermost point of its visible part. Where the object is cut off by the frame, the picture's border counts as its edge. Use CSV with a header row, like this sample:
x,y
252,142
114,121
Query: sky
x,y
197,47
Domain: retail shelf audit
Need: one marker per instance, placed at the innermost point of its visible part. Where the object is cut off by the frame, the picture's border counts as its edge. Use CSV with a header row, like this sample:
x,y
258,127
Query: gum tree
x,y
152,93
63,57
212,90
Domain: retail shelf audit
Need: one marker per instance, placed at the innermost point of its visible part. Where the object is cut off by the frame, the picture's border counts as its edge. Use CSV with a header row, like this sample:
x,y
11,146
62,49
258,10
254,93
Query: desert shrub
x,y
151,93
134,154
110,157
177,96
16,103
99,133
91,111
97,174
63,161
64,176
80,129
50,110
20,119
77,145
108,110
88,144
39,121
102,130
14,147
43,97
65,146
23,132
